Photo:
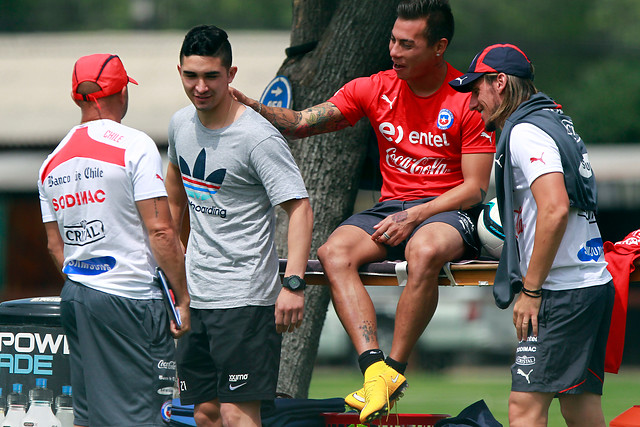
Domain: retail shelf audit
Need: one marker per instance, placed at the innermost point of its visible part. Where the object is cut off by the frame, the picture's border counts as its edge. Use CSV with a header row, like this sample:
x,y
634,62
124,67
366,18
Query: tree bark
x,y
352,41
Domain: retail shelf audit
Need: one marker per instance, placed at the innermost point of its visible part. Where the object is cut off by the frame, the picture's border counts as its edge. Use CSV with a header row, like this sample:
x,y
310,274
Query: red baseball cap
x,y
105,70
497,58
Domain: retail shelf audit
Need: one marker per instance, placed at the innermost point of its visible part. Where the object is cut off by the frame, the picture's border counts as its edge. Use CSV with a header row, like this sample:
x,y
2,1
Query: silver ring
x,y
386,235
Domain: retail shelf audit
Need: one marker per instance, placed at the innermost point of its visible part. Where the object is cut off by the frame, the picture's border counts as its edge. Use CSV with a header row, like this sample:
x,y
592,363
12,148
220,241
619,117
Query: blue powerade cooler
x,y
33,344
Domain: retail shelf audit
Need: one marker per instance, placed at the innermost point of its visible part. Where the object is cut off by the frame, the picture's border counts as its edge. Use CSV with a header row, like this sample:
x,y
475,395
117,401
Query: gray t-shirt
x,y
233,178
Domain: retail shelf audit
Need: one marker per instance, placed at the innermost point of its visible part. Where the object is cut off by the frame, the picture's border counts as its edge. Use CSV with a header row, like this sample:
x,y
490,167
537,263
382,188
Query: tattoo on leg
x,y
368,331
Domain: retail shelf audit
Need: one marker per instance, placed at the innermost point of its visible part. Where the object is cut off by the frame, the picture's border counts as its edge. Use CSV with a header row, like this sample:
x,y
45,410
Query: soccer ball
x,y
490,229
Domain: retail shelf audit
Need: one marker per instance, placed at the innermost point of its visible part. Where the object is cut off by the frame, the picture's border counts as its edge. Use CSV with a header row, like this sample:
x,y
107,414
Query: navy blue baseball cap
x,y
497,58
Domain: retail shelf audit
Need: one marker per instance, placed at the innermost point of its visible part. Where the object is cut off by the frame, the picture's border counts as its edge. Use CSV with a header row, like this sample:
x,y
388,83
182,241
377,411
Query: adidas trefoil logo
x,y
195,183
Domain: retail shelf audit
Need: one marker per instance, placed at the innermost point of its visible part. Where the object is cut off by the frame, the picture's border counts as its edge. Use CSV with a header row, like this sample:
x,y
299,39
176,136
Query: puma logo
x,y
486,135
499,160
461,79
537,159
386,98
521,372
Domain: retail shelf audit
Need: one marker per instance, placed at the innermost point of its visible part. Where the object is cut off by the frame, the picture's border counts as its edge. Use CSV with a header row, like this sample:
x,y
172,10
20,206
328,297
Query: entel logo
x,y
396,134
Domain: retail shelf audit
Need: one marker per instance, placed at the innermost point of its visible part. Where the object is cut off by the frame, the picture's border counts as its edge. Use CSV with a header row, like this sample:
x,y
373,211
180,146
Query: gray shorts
x,y
121,357
463,221
567,356
232,355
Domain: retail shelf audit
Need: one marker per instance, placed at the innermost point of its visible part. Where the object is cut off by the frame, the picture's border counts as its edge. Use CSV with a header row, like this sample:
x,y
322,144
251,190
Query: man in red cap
x,y
108,226
553,252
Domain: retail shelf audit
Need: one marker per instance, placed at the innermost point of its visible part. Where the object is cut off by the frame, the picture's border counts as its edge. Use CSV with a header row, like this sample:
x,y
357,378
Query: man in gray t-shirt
x,y
230,168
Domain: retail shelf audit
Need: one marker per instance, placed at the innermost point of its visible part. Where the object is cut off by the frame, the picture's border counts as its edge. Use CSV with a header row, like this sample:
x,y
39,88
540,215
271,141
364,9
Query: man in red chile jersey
x,y
435,160
108,225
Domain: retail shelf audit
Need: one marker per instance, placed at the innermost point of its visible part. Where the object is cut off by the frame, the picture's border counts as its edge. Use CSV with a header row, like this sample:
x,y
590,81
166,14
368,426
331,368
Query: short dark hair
x,y
207,40
438,14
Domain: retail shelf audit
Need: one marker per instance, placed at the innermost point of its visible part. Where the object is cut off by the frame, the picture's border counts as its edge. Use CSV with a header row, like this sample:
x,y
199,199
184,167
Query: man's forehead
x,y
202,64
409,29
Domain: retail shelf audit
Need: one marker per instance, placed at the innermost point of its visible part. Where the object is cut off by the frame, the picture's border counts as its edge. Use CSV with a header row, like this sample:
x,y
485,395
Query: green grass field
x,y
452,391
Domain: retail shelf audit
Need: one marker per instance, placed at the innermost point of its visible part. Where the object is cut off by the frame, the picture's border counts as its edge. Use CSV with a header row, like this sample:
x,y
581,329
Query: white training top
x,y
89,185
580,261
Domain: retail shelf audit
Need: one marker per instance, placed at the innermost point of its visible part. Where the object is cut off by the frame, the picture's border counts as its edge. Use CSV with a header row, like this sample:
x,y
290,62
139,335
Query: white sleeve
x,y
48,214
145,165
534,151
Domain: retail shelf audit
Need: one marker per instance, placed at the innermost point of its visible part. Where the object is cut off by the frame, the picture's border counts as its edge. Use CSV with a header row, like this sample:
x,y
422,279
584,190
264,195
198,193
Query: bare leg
x,y
582,410
207,414
241,414
345,251
529,409
427,251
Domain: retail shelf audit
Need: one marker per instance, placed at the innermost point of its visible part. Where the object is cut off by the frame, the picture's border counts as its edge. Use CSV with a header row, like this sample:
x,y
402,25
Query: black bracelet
x,y
532,293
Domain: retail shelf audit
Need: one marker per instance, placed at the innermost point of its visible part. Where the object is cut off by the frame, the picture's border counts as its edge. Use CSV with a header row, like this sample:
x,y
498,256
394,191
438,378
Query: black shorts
x,y
121,357
567,356
232,355
463,221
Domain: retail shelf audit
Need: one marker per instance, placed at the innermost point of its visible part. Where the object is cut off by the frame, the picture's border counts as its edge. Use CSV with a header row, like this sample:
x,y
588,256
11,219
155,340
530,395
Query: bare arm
x,y
55,244
290,304
321,118
476,171
167,250
552,201
177,195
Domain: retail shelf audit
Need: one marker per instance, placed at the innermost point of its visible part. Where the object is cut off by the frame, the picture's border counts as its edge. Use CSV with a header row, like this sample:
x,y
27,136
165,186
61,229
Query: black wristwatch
x,y
295,283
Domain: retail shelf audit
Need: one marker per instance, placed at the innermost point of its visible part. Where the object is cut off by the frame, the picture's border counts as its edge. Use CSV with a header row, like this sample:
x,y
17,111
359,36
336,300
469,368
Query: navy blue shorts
x,y
121,357
463,221
232,355
567,356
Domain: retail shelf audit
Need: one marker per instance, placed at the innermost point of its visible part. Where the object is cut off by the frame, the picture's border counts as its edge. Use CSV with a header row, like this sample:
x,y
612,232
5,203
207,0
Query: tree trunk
x,y
352,41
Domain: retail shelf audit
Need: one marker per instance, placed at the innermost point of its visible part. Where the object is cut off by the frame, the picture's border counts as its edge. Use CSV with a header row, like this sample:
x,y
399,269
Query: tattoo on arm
x,y
315,120
483,195
155,207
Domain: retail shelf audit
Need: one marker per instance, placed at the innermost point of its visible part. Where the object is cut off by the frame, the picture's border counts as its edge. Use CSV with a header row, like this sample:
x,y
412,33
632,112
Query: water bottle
x,y
3,405
16,407
39,413
64,407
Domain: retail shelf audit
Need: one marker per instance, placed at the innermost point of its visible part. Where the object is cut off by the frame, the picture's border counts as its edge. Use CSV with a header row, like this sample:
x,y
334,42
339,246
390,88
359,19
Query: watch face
x,y
294,283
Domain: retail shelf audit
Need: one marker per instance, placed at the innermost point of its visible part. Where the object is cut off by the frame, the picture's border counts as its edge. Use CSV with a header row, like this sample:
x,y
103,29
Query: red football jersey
x,y
421,139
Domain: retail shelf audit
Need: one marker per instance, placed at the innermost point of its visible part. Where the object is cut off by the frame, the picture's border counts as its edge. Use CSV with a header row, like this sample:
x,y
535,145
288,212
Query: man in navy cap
x,y
553,253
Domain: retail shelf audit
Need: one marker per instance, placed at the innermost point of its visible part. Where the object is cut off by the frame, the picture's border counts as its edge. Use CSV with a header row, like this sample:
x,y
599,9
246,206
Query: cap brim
x,y
132,81
465,81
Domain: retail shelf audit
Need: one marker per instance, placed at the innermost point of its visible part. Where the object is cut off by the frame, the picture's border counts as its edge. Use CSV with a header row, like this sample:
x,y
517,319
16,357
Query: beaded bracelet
x,y
259,107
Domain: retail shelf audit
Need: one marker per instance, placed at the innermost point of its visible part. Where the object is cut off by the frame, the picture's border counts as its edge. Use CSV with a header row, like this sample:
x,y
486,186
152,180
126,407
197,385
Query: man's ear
x,y
441,46
501,82
232,73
